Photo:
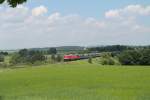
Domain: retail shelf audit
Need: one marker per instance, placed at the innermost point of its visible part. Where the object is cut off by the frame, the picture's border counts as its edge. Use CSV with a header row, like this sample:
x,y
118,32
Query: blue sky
x,y
50,23
87,8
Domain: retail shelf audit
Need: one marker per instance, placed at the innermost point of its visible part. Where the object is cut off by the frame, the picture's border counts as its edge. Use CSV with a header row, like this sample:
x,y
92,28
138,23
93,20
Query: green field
x,y
75,81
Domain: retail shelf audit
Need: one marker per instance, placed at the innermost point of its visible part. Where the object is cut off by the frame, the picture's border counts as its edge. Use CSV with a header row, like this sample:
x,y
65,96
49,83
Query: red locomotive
x,y
71,57
75,57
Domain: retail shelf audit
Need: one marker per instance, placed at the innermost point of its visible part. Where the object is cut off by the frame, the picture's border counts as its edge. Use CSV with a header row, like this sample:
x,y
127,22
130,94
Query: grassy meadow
x,y
75,81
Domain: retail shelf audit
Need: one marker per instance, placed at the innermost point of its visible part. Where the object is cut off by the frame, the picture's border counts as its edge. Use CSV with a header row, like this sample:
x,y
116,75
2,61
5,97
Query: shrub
x,y
107,61
34,56
90,60
59,58
145,59
15,58
135,57
106,55
1,58
52,51
25,57
3,65
53,58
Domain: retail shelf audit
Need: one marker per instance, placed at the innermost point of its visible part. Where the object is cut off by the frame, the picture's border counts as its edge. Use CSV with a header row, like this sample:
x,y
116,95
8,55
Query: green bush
x,y
1,58
90,60
106,55
3,65
145,59
15,58
56,58
59,58
107,61
25,57
53,58
52,51
135,57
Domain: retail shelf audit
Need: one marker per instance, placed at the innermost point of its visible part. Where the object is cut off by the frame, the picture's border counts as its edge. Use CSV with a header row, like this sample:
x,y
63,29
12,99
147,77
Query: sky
x,y
51,23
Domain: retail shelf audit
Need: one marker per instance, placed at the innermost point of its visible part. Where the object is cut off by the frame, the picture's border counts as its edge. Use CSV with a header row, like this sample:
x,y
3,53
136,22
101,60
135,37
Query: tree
x,y
1,58
52,51
59,58
113,48
107,59
90,60
53,58
34,56
27,56
15,59
130,57
135,57
4,53
145,59
23,52
13,3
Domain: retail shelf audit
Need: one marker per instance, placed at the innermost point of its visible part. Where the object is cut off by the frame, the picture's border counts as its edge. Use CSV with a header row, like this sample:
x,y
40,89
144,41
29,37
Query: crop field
x,y
75,81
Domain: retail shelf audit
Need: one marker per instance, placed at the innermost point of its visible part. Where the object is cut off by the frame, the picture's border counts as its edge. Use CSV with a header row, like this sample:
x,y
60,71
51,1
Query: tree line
x,y
124,55
116,48
109,55
26,56
30,56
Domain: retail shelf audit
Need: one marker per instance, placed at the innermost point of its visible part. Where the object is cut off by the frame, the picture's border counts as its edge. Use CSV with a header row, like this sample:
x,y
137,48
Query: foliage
x,y
23,52
90,60
34,56
116,48
56,58
3,65
15,59
4,53
27,56
52,51
135,57
106,54
145,59
59,58
108,59
53,58
1,58
13,3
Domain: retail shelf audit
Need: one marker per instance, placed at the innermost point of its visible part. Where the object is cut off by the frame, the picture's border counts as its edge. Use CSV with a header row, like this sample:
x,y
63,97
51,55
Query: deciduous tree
x,y
13,3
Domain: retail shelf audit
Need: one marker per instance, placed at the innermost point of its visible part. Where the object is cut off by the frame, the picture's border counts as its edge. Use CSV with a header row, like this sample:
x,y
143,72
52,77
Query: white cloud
x,y
137,9
130,10
39,11
20,28
112,14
